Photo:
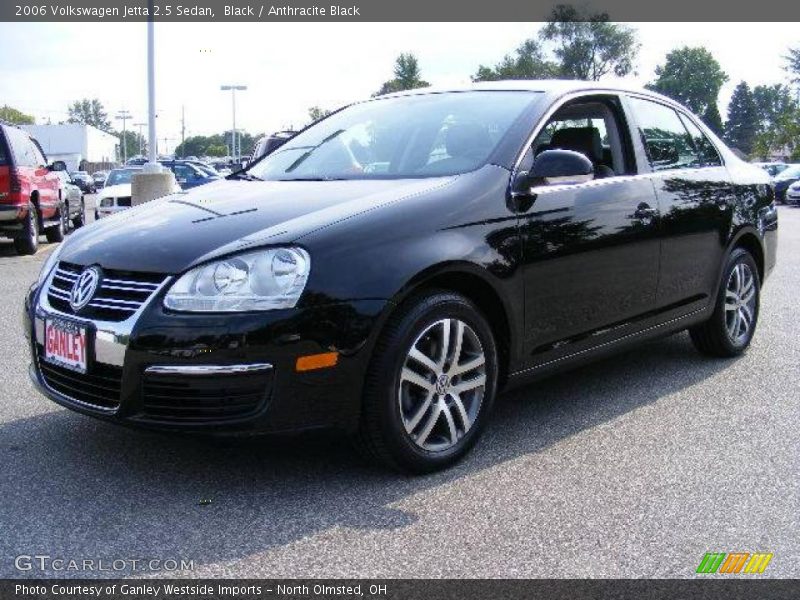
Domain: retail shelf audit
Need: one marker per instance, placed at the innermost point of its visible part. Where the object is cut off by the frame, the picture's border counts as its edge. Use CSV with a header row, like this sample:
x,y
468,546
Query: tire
x,y
731,327
28,243
80,219
416,429
57,233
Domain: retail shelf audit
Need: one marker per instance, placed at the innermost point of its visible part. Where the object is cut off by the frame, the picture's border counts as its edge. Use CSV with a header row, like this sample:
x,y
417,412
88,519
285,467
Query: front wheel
x,y
56,233
430,385
730,329
80,218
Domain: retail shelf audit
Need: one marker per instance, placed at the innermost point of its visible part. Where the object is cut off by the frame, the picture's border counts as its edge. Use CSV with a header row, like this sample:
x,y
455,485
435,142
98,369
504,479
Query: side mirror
x,y
58,165
561,167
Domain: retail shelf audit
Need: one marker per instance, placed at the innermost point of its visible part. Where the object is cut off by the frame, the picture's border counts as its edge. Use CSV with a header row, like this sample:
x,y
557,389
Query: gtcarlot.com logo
x,y
734,562
45,562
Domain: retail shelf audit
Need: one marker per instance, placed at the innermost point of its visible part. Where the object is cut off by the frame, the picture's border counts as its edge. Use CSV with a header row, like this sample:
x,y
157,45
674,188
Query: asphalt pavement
x,y
634,466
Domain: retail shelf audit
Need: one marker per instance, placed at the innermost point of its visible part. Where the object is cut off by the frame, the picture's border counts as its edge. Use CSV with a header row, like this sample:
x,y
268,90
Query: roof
x,y
557,87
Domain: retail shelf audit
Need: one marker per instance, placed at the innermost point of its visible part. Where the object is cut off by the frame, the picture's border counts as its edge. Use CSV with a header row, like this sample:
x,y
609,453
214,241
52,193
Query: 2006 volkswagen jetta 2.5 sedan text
x,y
389,269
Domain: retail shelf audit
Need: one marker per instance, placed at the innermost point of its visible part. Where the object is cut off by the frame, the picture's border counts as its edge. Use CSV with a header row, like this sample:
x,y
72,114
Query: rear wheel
x,y
28,241
431,384
730,329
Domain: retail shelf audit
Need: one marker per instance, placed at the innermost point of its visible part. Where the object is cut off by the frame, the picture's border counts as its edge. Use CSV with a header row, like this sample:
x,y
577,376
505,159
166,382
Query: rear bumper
x,y
12,219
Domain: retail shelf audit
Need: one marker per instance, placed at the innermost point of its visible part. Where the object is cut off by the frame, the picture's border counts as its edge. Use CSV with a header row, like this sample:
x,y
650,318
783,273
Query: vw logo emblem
x,y
84,288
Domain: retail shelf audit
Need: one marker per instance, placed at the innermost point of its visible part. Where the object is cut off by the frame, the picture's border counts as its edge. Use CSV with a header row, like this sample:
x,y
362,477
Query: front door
x,y
591,250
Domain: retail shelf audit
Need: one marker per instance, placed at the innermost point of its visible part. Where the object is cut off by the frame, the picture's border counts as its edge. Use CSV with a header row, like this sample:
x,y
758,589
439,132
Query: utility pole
x,y
124,115
233,89
141,137
166,144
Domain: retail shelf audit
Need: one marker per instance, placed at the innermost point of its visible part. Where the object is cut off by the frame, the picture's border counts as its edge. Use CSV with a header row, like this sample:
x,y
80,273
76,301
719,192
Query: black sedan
x,y
783,180
388,270
84,181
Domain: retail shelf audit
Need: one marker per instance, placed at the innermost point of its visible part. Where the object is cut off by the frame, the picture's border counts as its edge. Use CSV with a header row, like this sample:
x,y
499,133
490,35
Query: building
x,y
82,147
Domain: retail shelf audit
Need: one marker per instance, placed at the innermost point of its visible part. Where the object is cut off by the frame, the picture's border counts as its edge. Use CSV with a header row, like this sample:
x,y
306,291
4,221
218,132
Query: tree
x,y
133,143
530,62
778,121
315,113
407,76
17,117
713,119
742,125
589,46
793,64
89,112
691,76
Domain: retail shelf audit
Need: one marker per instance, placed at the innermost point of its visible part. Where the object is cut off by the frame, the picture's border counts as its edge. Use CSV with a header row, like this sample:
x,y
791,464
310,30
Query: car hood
x,y
116,191
178,231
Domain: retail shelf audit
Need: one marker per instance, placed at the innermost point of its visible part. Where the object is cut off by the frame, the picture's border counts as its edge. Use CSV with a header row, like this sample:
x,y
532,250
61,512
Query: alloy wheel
x,y
442,384
740,303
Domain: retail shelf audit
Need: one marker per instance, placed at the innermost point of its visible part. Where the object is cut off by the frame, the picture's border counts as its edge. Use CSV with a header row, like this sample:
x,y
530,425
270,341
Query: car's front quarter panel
x,y
464,228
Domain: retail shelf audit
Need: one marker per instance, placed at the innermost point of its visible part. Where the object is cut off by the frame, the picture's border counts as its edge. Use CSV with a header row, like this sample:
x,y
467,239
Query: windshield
x,y
118,176
791,172
410,136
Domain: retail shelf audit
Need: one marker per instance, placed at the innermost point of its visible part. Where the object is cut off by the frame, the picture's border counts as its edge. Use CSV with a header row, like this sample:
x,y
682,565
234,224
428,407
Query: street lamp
x,y
233,89
124,115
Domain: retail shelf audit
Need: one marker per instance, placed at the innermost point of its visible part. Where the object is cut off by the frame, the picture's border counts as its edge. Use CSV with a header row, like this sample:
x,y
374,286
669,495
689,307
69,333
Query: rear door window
x,y
3,153
706,152
665,139
22,147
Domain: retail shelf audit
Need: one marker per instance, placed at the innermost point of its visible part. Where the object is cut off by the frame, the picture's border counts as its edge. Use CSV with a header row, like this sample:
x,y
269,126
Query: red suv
x,y
29,192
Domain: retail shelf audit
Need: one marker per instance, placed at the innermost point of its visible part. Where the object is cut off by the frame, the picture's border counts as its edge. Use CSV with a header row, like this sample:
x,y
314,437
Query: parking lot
x,y
632,467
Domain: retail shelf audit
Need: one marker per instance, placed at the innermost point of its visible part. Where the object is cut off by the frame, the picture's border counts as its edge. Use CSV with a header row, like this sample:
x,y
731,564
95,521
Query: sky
x,y
289,67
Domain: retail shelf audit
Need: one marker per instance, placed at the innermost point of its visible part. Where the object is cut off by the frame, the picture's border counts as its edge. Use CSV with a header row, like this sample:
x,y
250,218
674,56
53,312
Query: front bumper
x,y
215,373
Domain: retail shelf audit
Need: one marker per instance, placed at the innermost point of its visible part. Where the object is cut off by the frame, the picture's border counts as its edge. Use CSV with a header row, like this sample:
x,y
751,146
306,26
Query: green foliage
x,y
793,64
529,62
713,119
572,45
589,46
89,112
778,122
215,145
742,126
407,76
692,76
17,117
315,113
131,140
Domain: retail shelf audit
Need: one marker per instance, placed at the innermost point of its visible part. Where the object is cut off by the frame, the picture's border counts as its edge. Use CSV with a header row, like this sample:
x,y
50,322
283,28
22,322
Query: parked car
x,y
773,168
793,194
99,178
269,143
84,181
116,194
783,180
29,199
389,285
188,174
72,199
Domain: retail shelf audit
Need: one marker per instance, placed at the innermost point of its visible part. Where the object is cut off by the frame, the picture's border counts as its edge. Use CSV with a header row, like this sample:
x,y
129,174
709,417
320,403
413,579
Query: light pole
x,y
124,115
141,137
233,89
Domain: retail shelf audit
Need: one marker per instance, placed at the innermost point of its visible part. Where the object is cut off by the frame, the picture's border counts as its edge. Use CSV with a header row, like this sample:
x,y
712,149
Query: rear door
x,y
694,191
591,250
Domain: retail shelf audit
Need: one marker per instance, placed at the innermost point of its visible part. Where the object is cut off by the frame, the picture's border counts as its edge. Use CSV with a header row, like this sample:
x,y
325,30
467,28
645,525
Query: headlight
x,y
262,280
49,264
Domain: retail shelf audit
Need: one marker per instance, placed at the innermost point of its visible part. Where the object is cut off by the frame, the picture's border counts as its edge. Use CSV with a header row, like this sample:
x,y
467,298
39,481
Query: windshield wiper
x,y
244,175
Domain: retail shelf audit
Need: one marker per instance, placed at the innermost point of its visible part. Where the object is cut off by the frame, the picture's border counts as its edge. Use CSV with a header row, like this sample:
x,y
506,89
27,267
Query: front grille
x,y
204,398
120,294
100,387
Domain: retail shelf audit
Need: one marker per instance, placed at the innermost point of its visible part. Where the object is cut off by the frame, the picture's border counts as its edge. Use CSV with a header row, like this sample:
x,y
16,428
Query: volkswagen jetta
x,y
389,269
